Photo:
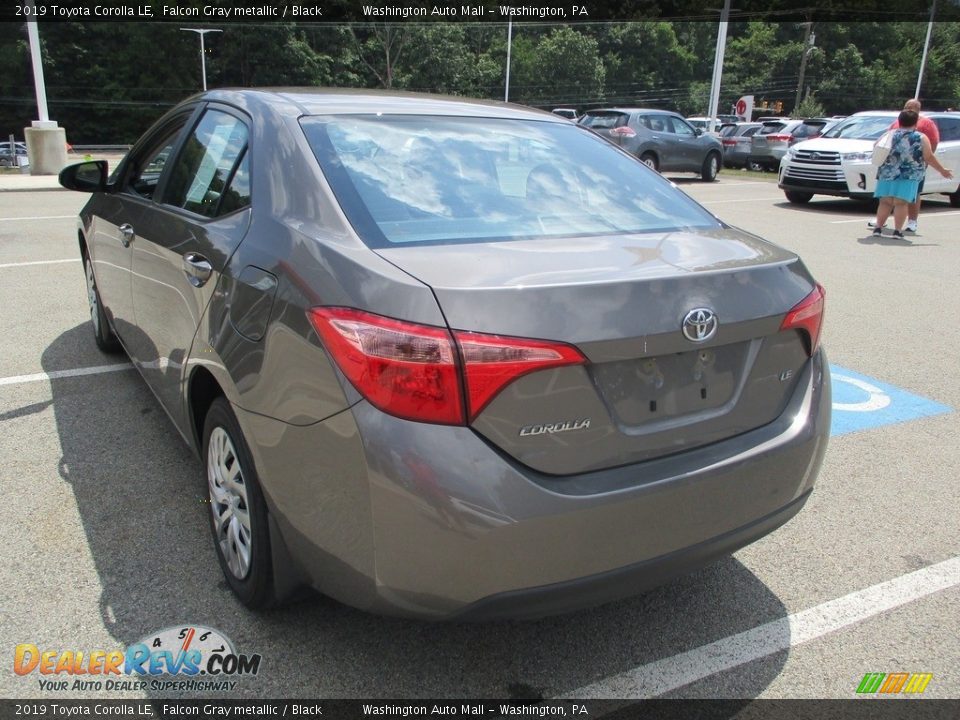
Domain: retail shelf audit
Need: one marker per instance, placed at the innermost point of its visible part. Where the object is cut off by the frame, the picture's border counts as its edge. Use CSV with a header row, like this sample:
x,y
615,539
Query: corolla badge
x,y
553,428
700,324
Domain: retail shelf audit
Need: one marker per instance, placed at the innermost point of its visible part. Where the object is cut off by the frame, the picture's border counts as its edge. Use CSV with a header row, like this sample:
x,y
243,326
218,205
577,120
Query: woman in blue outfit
x,y
899,177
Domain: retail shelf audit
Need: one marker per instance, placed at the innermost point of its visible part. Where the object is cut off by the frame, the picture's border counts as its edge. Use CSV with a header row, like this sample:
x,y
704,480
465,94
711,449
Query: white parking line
x,y
38,262
717,202
37,377
924,216
40,217
662,676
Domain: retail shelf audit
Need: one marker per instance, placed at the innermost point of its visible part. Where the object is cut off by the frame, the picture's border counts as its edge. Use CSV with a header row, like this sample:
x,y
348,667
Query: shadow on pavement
x,y
140,496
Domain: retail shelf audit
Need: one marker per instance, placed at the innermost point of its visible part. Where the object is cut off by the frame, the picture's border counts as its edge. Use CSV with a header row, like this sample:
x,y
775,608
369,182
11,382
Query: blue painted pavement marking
x,y
862,403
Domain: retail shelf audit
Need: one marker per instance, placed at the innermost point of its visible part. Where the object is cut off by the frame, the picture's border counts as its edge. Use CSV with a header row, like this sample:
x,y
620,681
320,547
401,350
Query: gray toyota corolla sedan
x,y
445,358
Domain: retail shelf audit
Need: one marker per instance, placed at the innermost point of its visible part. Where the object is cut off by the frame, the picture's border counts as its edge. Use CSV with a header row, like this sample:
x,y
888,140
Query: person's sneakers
x,y
878,231
897,234
911,226
873,224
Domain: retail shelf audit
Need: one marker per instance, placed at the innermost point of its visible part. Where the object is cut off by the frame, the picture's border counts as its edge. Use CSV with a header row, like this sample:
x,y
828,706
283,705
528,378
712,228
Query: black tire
x,y
103,334
253,585
650,160
797,197
955,199
711,167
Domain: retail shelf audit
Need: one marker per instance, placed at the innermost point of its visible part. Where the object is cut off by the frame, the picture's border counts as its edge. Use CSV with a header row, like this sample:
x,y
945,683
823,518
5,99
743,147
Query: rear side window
x,y
213,157
427,179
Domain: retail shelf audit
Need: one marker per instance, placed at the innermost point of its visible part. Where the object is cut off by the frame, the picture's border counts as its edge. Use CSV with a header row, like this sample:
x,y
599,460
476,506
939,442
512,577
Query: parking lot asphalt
x,y
106,539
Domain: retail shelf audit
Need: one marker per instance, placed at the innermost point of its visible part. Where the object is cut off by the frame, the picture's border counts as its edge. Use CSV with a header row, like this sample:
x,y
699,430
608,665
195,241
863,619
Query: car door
x,y
662,139
111,237
948,153
183,243
693,147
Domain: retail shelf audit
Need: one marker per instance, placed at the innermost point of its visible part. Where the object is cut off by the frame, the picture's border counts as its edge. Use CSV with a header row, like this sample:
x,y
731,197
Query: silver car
x,y
736,140
663,140
444,358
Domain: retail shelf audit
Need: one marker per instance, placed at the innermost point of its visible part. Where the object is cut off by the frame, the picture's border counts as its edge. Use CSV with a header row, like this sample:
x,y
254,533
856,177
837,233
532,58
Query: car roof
x,y
295,102
633,110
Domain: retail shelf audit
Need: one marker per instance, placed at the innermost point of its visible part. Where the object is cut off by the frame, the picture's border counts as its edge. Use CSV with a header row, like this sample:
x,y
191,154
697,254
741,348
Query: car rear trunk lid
x,y
647,389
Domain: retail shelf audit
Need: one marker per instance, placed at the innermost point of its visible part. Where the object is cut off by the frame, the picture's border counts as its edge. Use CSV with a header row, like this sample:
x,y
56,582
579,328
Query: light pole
x,y
203,59
926,48
46,141
718,66
506,89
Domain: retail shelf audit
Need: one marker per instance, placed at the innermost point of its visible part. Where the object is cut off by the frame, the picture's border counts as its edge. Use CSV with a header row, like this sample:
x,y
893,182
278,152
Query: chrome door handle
x,y
126,234
197,268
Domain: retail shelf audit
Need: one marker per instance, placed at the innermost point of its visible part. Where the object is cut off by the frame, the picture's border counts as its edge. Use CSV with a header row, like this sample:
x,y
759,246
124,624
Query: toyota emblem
x,y
700,324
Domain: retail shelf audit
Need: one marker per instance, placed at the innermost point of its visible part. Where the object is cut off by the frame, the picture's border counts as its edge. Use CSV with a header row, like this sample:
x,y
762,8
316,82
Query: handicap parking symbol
x,y
862,403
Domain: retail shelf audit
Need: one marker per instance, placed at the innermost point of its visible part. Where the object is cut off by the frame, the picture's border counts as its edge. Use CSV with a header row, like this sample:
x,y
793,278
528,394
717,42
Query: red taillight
x,y
779,138
807,315
731,142
404,369
623,131
493,361
413,371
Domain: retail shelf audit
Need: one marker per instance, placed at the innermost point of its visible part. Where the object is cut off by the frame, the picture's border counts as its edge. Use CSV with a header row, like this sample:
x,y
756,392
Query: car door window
x,y
150,164
680,127
660,123
210,174
949,128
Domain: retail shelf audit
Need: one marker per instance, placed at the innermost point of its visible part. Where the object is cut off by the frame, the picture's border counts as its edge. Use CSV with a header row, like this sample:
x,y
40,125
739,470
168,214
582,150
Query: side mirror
x,y
698,131
85,177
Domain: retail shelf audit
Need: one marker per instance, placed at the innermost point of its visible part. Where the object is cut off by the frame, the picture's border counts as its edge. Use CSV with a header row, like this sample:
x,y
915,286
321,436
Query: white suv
x,y
839,162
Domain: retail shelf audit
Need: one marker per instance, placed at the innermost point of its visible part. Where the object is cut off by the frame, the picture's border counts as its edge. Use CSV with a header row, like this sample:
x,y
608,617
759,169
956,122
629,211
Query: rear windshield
x,y
808,130
865,127
603,120
420,179
771,127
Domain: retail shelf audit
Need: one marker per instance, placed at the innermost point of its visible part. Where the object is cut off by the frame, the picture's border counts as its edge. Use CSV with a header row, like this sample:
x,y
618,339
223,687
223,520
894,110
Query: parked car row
x,y
13,155
663,140
840,162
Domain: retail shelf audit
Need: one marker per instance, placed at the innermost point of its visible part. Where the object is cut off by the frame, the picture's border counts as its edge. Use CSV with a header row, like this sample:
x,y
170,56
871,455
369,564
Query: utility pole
x,y
809,38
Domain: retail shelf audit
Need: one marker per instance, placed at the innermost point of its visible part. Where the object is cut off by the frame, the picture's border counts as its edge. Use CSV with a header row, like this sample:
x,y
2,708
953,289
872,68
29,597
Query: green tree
x,y
564,68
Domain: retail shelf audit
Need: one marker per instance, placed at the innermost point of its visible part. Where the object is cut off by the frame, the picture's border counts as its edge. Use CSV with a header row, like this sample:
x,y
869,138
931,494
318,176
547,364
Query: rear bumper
x,y
419,520
627,581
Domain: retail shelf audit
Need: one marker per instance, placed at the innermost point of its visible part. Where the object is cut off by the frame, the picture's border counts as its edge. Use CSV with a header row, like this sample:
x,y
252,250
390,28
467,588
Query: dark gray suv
x,y
663,140
445,358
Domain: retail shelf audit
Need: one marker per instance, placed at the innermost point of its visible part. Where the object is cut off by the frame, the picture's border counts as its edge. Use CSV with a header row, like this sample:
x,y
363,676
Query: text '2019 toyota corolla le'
x,y
445,358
